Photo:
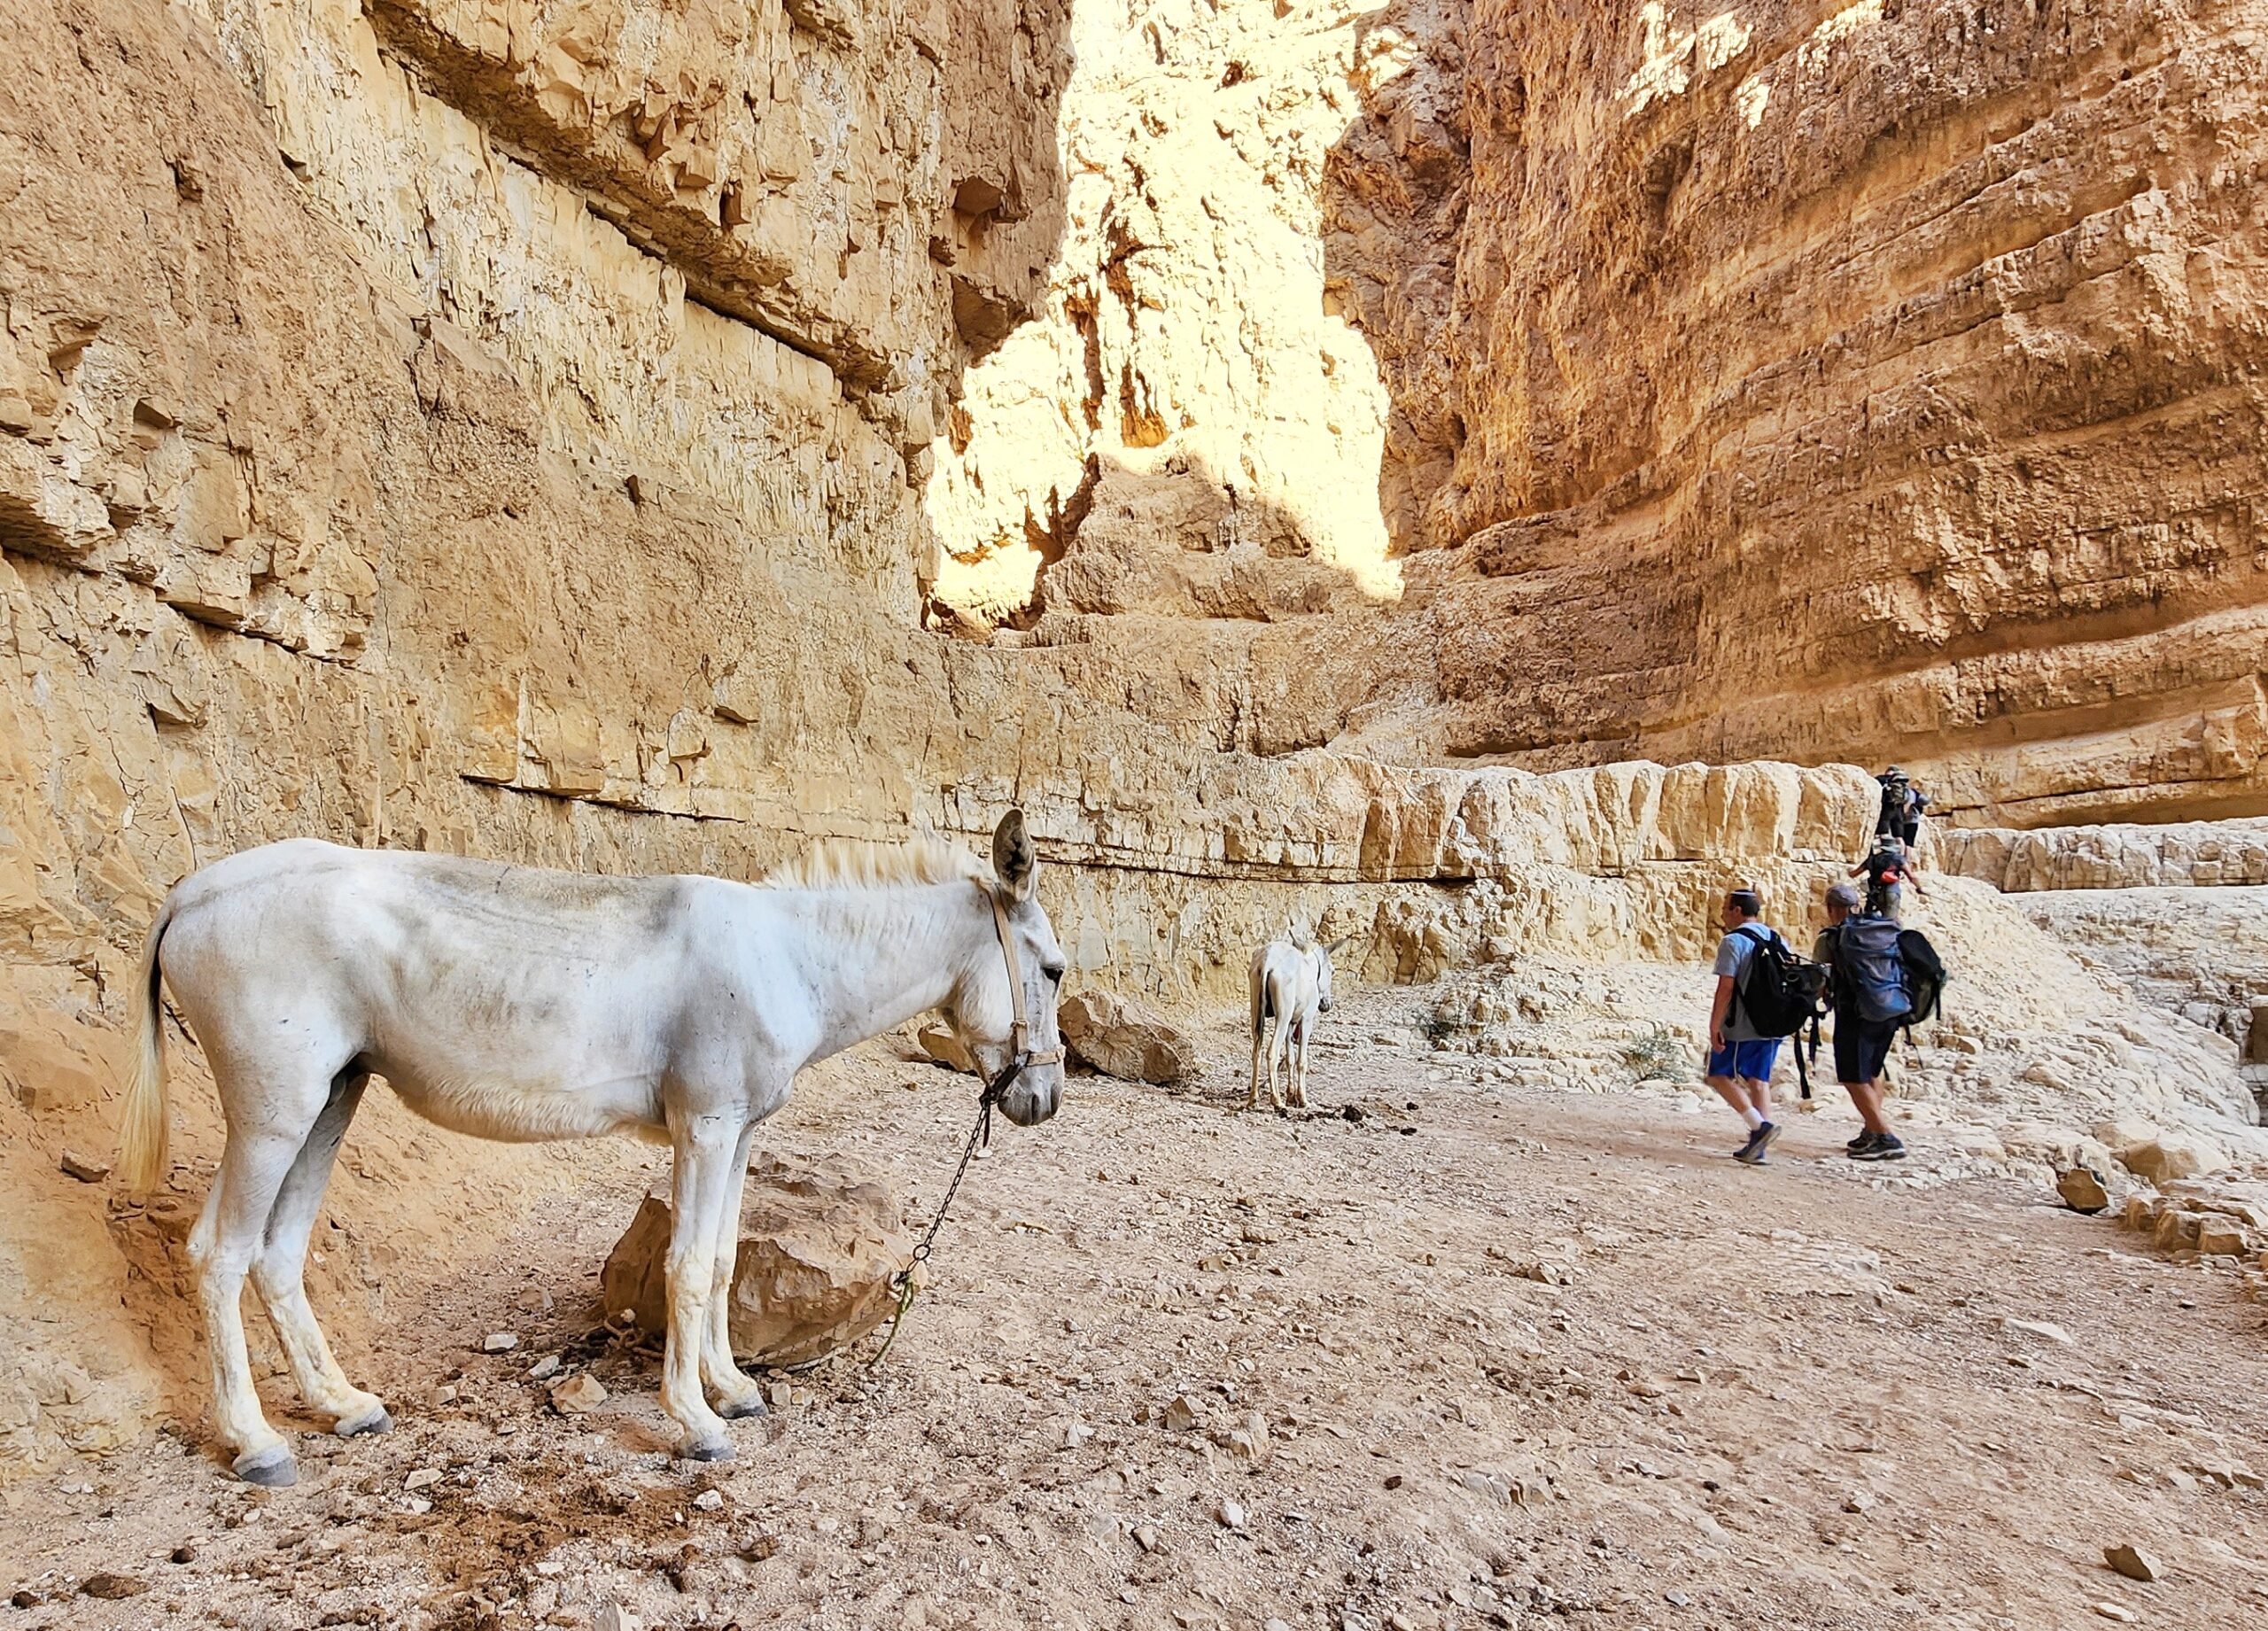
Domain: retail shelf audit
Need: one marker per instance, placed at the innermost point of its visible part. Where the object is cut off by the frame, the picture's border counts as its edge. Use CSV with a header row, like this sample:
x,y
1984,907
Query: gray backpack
x,y
1871,971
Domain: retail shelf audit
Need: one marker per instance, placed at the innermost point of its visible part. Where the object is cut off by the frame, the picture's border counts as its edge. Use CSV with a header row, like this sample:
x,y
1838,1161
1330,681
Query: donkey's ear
x,y
1015,861
1332,948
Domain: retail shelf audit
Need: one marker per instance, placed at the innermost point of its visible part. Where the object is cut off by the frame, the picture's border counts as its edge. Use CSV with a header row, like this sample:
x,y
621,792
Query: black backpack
x,y
1777,989
1925,976
1779,992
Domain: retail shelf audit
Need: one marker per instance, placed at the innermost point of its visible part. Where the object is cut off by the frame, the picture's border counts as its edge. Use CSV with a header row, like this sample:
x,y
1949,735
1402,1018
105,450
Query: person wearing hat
x,y
1861,1048
1902,804
1741,1057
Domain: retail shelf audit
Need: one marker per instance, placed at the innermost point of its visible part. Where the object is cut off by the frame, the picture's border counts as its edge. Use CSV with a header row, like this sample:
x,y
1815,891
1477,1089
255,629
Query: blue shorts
x,y
1752,1061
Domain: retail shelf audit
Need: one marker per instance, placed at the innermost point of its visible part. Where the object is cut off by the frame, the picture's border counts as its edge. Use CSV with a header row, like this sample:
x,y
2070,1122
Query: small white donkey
x,y
518,1004
1291,985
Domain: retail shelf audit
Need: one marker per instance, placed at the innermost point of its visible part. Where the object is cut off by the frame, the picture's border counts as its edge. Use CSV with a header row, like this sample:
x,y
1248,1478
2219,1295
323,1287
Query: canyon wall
x,y
1831,383
643,435
1872,382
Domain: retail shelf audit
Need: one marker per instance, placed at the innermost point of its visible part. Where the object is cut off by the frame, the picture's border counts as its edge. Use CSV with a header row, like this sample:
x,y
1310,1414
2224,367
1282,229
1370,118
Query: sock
x,y
1753,1120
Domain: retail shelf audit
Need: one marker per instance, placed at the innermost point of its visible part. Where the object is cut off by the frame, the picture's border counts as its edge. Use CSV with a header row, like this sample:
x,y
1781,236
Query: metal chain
x,y
902,1282
1020,1056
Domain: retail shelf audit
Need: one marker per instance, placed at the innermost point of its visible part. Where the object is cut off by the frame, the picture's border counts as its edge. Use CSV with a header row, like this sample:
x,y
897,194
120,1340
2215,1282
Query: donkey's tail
x,y
142,1132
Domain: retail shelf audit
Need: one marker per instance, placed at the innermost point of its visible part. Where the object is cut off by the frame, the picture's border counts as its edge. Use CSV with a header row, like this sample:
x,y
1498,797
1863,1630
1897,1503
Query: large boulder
x,y
1124,1038
943,1048
2083,1189
2170,1156
818,1249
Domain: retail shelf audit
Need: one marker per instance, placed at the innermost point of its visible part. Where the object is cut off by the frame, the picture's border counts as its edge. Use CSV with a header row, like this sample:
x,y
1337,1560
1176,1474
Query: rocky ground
x,y
1493,1353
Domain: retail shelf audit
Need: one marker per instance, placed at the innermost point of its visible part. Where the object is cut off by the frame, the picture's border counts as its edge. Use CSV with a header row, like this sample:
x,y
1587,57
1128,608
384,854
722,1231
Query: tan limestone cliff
x,y
1797,380
591,433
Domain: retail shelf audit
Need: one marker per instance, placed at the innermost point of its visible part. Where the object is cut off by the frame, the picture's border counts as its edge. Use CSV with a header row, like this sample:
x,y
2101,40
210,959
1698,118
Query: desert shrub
x,y
1657,1053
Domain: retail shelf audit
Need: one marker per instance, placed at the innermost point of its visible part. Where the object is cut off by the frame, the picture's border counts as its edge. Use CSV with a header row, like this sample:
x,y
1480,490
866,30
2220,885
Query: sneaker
x,y
1885,1148
1760,1140
1857,1148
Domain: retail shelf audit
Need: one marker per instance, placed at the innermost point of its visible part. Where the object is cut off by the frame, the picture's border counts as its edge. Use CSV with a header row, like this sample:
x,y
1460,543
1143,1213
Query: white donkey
x,y
1291,985
518,1004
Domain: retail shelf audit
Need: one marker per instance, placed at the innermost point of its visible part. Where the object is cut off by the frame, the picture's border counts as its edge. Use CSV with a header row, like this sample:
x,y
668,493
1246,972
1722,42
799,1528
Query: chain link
x,y
980,1135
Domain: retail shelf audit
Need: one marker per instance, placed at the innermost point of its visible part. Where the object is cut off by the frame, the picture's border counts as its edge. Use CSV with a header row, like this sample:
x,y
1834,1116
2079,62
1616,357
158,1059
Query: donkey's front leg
x,y
706,1145
737,1396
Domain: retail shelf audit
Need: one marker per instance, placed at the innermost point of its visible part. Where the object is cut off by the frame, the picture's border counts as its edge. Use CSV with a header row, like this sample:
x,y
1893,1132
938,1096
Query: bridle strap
x,y
1020,1034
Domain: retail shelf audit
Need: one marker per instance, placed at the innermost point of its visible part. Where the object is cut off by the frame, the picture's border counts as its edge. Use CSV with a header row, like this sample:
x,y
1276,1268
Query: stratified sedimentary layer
x,y
1837,382
1824,383
2208,854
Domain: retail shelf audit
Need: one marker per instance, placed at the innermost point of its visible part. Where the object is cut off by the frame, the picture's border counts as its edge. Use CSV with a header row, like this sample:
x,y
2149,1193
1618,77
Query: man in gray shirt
x,y
1740,1060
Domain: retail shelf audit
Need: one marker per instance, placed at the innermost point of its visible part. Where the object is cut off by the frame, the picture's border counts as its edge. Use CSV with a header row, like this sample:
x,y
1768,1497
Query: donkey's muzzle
x,y
1034,1097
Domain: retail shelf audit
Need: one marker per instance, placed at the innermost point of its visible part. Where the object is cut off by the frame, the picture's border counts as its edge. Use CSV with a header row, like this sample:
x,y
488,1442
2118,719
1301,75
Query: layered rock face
x,y
1858,382
1187,429
1815,382
2208,854
643,435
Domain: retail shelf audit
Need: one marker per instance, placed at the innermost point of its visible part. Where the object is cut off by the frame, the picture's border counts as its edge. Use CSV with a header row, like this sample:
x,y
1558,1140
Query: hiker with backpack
x,y
1888,870
1745,1021
1902,805
1882,979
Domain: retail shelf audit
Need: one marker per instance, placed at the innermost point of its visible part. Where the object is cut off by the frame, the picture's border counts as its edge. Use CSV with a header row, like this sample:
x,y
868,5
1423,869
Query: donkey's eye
x,y
1054,972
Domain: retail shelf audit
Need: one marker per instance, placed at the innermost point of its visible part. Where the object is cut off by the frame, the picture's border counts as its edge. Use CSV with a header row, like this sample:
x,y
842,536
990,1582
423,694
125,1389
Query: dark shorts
x,y
1751,1062
1860,1049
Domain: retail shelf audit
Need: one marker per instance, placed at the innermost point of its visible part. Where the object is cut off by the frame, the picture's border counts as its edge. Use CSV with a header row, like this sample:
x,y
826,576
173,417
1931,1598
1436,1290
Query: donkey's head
x,y
984,1013
1322,955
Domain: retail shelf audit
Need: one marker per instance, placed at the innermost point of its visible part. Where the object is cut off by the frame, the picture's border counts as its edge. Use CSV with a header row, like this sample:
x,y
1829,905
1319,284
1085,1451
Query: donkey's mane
x,y
855,864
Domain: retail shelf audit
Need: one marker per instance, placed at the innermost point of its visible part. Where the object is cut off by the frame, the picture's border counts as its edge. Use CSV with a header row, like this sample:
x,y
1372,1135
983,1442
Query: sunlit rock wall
x,y
1869,382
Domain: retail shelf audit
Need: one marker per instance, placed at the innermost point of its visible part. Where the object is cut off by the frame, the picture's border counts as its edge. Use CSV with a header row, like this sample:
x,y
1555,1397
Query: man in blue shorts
x,y
1740,1060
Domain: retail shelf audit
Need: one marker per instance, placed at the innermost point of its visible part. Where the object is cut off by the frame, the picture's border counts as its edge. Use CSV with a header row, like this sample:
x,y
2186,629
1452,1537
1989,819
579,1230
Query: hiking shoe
x,y
1885,1148
1760,1140
1859,1143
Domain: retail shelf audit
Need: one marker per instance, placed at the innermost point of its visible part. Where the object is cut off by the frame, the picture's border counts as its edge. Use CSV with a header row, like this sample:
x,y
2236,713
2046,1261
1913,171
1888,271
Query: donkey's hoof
x,y
373,1420
719,1448
740,1409
270,1469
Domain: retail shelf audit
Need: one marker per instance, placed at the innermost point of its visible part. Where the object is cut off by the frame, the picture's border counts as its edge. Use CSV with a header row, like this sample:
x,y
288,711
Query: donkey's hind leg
x,y
278,1272
737,1394
261,1149
1279,1058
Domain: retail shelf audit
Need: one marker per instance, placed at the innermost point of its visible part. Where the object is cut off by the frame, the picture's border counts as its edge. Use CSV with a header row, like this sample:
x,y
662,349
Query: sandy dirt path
x,y
1509,1358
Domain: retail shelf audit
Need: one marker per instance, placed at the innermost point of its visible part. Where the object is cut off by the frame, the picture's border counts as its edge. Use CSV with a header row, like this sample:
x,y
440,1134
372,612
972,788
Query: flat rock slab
x,y
817,1251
